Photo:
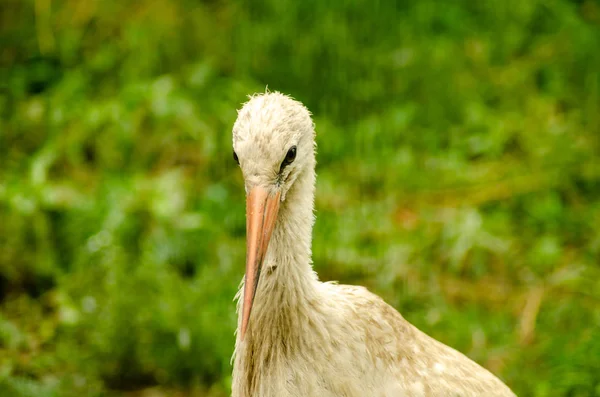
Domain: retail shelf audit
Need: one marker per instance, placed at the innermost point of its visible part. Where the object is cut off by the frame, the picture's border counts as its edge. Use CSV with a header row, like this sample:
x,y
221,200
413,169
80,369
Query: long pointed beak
x,y
261,213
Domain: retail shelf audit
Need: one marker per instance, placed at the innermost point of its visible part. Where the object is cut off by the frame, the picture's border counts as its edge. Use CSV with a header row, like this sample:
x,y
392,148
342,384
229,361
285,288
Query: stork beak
x,y
261,213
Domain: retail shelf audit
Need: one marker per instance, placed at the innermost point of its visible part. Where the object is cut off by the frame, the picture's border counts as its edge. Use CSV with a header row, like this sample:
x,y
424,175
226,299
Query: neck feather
x,y
287,307
287,280
288,284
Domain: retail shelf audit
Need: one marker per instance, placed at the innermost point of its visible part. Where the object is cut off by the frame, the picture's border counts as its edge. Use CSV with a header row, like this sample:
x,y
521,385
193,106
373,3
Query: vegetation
x,y
459,178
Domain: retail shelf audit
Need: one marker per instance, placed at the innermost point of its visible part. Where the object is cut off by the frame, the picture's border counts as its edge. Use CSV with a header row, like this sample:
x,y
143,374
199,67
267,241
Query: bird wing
x,y
418,364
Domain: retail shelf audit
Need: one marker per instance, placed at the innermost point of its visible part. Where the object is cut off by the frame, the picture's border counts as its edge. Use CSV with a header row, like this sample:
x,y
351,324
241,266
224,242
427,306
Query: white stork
x,y
297,336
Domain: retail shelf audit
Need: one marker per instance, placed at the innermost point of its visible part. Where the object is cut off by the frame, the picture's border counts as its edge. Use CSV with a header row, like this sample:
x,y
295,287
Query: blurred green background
x,y
459,179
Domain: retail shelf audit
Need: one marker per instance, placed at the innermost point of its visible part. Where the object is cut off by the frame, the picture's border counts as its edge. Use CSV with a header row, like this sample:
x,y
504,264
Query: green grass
x,y
458,163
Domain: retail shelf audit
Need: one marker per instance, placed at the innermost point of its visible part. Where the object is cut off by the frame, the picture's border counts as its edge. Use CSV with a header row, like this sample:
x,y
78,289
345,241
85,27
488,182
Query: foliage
x,y
459,178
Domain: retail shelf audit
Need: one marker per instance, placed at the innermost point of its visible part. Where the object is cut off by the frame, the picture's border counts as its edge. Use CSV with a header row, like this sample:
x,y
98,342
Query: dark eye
x,y
289,158
235,157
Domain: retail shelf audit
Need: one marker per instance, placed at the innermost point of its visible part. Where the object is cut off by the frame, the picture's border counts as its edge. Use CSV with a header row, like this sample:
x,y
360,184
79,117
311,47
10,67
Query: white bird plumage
x,y
303,337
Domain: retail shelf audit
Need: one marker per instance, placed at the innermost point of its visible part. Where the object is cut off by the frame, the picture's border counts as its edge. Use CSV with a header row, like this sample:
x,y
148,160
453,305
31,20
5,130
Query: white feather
x,y
308,338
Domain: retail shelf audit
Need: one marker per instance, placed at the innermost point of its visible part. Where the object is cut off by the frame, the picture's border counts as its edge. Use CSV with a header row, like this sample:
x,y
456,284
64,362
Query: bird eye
x,y
235,157
289,158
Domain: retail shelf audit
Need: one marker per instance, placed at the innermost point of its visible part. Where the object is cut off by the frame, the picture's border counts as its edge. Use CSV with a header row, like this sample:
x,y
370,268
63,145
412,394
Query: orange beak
x,y
261,213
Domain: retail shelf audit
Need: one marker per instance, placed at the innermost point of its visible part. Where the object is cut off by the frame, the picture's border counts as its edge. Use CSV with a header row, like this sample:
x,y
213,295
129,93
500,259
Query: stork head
x,y
273,142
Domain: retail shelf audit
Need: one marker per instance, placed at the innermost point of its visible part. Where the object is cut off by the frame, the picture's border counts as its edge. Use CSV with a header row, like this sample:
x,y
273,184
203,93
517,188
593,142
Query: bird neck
x,y
288,283
287,296
288,263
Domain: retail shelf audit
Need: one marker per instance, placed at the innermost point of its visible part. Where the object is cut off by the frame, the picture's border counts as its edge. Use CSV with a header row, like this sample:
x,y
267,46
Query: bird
x,y
297,336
